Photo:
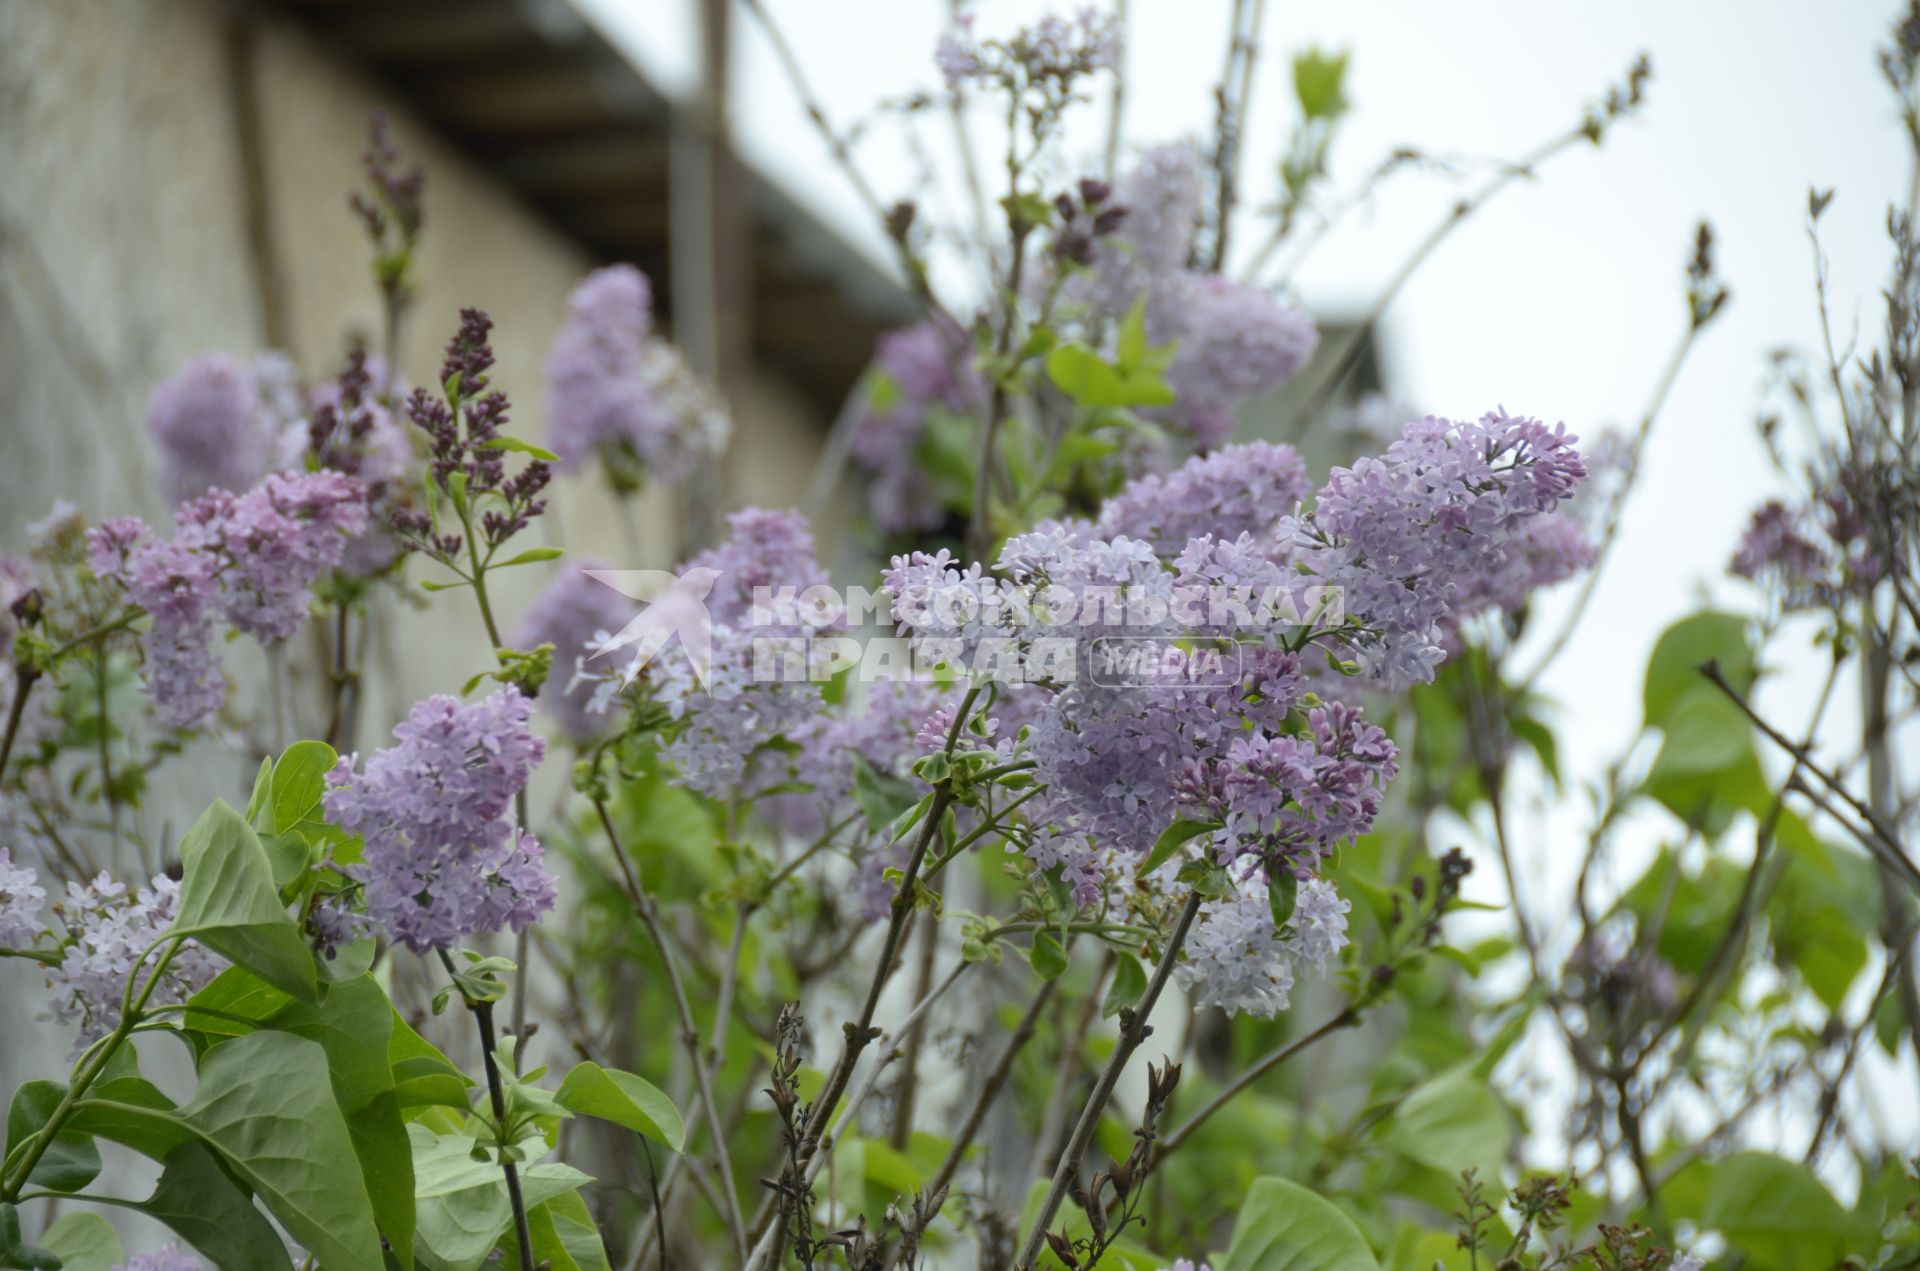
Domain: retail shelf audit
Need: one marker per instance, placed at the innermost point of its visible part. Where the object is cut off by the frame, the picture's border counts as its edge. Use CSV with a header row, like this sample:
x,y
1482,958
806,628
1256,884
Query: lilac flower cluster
x,y
465,445
108,931
916,370
1161,195
1402,536
216,423
1052,53
574,613
248,559
1817,554
21,898
1236,343
1119,761
620,394
1243,489
350,429
442,858
726,720
1237,962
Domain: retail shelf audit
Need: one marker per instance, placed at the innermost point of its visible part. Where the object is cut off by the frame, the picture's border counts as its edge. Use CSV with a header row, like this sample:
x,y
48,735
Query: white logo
x,y
676,606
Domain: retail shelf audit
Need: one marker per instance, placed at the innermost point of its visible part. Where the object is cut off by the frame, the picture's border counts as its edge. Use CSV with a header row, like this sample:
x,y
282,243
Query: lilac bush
x,y
1145,732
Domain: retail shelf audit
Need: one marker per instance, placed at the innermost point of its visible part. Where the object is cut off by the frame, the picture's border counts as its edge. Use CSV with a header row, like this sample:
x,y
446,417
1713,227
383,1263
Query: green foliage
x,y
72,1161
623,1099
1286,1227
228,902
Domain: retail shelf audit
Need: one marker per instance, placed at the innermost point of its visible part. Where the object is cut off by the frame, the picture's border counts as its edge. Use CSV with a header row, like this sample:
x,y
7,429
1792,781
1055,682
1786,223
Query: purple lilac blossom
x,y
174,584
571,613
1120,761
1235,343
918,369
108,931
215,423
350,428
1055,48
1161,195
21,898
249,559
443,860
1402,535
616,392
738,710
272,543
1237,962
1242,489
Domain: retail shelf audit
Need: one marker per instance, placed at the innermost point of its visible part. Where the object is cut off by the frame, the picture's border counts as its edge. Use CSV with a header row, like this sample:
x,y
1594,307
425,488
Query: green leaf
x,y
1284,1227
1452,1122
422,1076
1091,380
262,787
532,556
462,1202
1283,893
85,1242
565,1237
265,1104
1674,666
1128,987
228,902
72,1161
1317,81
1170,840
207,1209
1130,349
352,1024
1778,1214
1049,958
624,1099
299,781
520,447
882,796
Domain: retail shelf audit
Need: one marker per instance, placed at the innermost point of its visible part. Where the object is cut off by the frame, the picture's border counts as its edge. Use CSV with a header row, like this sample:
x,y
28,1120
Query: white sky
x,y
1561,299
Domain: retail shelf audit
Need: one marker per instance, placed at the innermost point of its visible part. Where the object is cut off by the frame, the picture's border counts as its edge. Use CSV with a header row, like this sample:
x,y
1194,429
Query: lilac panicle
x,y
1242,489
1402,536
442,858
108,929
1236,961
1235,343
21,898
618,393
174,584
272,542
725,721
919,369
248,559
215,425
570,613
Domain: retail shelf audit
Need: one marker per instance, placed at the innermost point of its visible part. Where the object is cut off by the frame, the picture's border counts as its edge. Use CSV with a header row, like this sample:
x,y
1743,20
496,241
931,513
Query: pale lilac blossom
x,y
443,859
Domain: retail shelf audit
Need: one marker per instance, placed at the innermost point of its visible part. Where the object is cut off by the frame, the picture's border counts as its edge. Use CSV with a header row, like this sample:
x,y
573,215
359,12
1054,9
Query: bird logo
x,y
676,609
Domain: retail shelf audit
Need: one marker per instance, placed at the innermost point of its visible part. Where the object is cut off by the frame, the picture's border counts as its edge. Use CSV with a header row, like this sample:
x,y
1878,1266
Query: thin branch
x,y
648,913
1133,1031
